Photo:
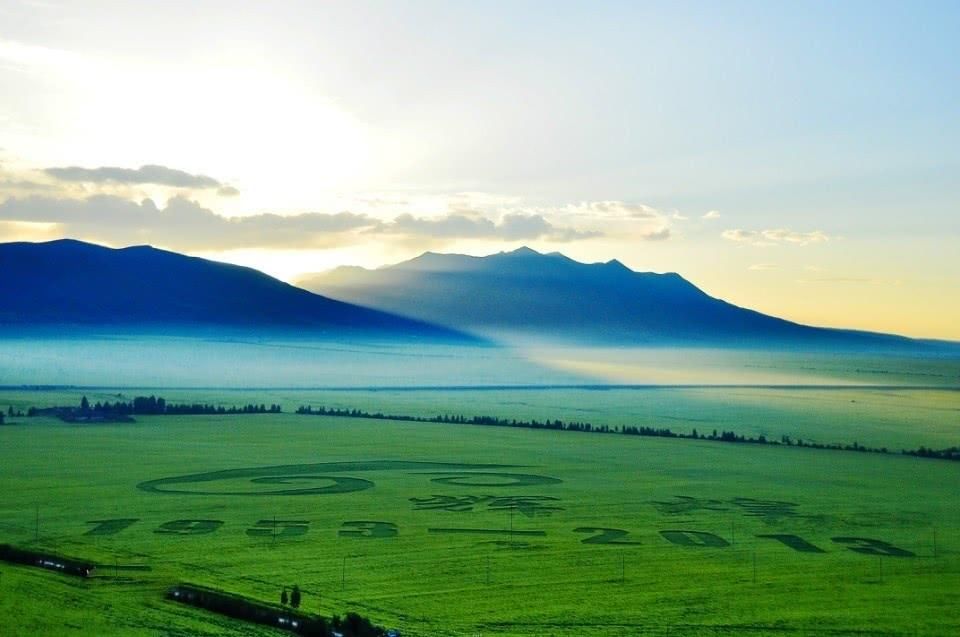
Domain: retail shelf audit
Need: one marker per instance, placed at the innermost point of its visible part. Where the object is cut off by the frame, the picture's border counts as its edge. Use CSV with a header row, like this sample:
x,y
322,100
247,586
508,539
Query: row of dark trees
x,y
293,598
952,453
351,625
49,561
158,406
11,413
454,419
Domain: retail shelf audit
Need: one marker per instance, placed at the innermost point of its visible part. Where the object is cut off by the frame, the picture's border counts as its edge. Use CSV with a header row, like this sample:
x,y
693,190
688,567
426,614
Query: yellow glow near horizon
x,y
918,309
29,231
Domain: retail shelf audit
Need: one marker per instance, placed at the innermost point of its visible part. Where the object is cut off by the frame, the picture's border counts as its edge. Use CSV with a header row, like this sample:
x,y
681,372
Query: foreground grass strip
x,y
48,561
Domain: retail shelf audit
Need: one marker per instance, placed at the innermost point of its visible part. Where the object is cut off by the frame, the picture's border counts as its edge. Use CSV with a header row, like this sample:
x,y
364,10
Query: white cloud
x,y
656,234
148,174
711,214
744,236
29,55
615,209
635,220
759,267
790,236
24,185
472,225
182,224
776,236
185,225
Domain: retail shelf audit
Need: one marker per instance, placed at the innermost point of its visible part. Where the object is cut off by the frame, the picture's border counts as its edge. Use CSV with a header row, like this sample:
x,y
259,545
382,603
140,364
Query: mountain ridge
x,y
74,283
525,292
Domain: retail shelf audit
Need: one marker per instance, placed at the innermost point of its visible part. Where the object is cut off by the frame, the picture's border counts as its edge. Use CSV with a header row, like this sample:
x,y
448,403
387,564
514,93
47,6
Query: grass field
x,y
897,418
612,535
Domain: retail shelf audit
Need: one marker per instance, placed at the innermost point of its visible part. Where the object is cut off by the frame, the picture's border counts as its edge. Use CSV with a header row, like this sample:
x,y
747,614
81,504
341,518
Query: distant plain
x,y
394,569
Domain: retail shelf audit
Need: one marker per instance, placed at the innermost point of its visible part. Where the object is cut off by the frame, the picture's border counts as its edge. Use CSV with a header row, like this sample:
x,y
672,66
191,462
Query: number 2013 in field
x,y
376,529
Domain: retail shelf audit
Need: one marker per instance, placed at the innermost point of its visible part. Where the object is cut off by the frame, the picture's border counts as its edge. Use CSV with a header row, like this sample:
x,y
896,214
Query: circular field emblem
x,y
487,479
292,485
316,479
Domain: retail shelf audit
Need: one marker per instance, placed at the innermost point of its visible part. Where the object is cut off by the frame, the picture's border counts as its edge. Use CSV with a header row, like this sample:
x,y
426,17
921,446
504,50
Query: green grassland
x,y
896,418
557,580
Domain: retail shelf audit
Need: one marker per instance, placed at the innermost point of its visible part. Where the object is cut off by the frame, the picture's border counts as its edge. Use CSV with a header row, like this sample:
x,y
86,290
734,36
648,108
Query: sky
x,y
801,159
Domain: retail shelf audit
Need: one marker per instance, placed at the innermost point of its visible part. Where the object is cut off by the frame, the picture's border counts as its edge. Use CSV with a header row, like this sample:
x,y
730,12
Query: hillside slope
x,y
69,282
552,296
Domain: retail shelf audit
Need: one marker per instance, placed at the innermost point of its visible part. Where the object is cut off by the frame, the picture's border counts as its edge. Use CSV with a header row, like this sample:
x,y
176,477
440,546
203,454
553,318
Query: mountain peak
x,y
523,251
551,296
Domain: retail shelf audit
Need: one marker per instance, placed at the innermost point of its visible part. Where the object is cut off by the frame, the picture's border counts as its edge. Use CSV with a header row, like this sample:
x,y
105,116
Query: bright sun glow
x,y
252,125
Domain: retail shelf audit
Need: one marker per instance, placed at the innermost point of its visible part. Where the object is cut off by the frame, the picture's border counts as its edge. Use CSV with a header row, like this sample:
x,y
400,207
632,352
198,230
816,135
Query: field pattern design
x,y
466,531
489,479
528,505
292,474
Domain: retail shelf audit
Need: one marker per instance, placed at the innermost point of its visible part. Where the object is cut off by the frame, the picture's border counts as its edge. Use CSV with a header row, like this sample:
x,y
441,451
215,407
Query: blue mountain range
x,y
526,294
69,284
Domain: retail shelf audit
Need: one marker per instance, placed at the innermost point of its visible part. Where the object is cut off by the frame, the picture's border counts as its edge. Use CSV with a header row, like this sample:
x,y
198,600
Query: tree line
x,y
150,406
951,453
11,413
289,617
